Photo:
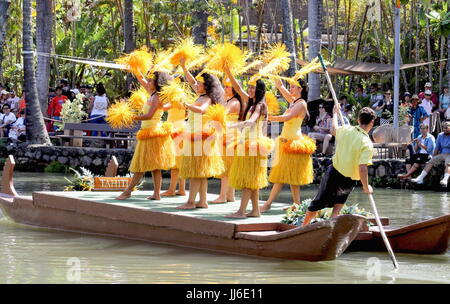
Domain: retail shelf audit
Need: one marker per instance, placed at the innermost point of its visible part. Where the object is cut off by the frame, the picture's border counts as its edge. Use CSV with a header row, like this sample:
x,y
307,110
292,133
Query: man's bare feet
x,y
237,215
230,200
254,214
181,193
168,193
201,205
264,208
188,205
123,196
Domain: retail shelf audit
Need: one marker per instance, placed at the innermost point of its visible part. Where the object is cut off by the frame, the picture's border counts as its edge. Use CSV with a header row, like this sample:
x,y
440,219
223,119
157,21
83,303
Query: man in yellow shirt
x,y
353,154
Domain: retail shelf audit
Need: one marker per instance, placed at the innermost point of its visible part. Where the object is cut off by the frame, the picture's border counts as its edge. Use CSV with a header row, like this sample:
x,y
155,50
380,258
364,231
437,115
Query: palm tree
x,y
36,132
314,40
128,31
288,34
44,29
4,5
199,31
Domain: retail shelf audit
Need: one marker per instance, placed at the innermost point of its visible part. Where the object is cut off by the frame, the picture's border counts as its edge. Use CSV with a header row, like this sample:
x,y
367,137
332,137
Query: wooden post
x,y
113,165
77,142
7,177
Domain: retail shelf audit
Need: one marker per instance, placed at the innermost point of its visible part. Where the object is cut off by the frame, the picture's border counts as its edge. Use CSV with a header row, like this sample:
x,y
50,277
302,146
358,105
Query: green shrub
x,y
56,167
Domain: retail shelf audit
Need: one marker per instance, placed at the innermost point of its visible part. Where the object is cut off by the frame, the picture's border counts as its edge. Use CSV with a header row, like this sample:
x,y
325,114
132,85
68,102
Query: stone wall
x,y
383,173
35,159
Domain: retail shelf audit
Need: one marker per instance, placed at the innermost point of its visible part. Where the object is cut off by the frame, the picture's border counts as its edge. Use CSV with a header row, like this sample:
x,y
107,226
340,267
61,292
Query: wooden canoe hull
x,y
321,241
427,237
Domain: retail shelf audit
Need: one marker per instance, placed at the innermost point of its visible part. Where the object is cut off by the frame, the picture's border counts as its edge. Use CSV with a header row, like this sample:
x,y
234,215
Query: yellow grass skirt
x,y
292,163
154,153
249,169
201,158
249,172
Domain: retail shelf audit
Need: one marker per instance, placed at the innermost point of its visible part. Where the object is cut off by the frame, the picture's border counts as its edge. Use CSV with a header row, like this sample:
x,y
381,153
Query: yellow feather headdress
x,y
138,62
185,49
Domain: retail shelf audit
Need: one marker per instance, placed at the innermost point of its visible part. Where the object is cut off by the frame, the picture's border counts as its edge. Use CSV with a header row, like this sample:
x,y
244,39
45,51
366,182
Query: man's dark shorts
x,y
334,189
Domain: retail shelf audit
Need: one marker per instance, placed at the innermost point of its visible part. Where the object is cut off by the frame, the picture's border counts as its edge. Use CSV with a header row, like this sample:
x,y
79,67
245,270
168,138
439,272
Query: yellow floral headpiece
x,y
227,82
200,78
254,79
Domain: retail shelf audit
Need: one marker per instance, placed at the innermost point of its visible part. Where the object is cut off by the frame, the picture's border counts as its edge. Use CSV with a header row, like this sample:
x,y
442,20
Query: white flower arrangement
x,y
72,111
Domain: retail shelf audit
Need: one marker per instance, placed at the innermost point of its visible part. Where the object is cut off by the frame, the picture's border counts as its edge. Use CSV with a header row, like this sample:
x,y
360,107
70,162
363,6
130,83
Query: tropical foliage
x,y
94,29
296,213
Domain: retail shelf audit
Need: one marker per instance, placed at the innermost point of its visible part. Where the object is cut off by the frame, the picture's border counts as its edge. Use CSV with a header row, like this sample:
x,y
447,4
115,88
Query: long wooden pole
x,y
383,234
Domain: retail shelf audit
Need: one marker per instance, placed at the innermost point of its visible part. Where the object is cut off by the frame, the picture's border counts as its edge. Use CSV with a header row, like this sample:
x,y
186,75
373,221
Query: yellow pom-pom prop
x,y
138,99
138,62
276,60
226,55
310,67
273,105
185,49
176,93
217,113
120,115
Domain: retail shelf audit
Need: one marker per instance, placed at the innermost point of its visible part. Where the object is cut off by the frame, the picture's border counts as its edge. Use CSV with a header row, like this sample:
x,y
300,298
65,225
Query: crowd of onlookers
x,y
94,101
12,108
426,112
12,116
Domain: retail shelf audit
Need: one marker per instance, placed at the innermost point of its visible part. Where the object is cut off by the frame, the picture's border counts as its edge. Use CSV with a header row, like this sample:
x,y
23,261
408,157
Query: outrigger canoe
x,y
141,219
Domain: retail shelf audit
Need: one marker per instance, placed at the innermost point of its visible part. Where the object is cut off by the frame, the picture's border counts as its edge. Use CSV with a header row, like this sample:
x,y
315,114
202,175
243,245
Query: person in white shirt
x,y
6,119
99,108
13,102
427,104
17,131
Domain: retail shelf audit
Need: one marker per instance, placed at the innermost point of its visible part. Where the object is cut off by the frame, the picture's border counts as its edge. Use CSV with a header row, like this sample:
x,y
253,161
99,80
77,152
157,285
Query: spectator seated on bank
x,y
6,119
441,155
17,132
420,153
322,129
54,109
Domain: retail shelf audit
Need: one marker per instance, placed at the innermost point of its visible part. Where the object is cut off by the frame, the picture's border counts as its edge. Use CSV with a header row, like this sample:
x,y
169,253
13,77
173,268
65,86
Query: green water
x,y
32,255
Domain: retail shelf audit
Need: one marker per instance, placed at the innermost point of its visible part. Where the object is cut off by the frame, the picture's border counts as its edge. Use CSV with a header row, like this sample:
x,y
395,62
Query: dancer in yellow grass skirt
x,y
233,105
292,164
176,115
249,168
154,149
201,156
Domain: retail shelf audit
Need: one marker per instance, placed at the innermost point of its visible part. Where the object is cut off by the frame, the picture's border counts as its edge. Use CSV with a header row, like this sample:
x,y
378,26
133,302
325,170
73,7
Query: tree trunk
x,y
36,132
448,61
260,12
289,34
314,40
247,23
4,14
441,66
416,82
430,67
44,29
199,32
129,34
358,43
